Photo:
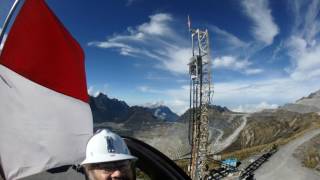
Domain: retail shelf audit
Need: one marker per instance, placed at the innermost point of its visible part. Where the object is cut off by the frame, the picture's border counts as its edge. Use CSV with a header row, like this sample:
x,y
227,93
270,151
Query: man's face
x,y
110,171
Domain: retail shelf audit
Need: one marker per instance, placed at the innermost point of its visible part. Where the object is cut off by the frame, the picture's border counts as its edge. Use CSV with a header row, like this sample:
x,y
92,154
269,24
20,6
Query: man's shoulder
x,y
68,173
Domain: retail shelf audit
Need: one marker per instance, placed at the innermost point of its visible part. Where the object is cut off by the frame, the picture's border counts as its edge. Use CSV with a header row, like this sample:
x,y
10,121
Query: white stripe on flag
x,y
39,128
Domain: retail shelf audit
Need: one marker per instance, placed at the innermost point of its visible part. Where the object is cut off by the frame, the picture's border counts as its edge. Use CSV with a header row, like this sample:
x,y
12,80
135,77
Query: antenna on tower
x,y
189,23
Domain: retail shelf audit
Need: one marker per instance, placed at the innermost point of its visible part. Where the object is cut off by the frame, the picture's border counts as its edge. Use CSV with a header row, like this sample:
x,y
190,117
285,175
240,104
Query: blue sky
x,y
265,53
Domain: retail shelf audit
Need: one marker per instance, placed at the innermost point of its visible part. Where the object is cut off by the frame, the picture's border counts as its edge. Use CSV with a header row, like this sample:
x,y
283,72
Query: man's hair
x,y
85,169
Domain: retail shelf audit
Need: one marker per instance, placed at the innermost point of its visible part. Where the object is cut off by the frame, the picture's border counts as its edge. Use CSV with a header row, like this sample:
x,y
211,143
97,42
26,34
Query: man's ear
x,y
133,168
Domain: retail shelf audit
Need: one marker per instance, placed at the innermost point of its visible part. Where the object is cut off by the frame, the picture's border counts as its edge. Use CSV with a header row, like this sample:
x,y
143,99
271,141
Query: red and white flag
x,y
45,118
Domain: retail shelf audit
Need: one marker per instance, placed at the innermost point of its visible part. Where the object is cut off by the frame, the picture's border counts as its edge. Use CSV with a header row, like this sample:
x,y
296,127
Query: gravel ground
x,y
282,165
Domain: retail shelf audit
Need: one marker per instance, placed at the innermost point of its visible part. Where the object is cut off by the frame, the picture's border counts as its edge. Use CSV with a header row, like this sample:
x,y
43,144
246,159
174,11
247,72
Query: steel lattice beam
x,y
200,97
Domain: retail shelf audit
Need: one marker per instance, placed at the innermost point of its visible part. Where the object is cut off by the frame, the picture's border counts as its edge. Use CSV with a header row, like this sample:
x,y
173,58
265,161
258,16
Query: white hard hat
x,y
106,146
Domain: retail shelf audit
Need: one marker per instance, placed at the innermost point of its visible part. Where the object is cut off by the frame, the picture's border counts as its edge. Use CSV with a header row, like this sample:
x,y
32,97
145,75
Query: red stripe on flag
x,y
39,48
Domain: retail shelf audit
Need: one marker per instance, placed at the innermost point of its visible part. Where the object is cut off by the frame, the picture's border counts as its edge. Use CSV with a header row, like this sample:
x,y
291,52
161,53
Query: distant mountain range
x,y
105,109
307,104
228,131
231,131
284,122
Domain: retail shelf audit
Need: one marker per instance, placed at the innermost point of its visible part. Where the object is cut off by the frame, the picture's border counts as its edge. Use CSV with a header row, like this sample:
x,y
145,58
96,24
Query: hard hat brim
x,y
108,158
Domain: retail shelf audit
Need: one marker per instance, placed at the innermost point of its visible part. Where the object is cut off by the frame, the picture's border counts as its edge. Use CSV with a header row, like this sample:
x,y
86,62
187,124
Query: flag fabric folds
x,y
45,118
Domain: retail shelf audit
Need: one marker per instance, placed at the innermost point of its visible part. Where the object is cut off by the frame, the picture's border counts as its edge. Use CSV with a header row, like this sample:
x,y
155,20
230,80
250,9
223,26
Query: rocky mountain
x,y
173,139
311,100
164,113
213,110
137,119
140,117
267,127
307,104
278,126
105,109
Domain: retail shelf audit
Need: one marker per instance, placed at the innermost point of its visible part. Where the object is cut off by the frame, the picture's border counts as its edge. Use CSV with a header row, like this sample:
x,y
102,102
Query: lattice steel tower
x,y
200,99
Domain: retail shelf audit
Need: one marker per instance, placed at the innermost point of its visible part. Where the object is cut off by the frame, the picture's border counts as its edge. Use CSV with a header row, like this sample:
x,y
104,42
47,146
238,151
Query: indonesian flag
x,y
45,118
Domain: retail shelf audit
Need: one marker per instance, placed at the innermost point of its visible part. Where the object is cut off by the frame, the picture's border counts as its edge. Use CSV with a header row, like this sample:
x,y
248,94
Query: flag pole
x,y
3,30
7,20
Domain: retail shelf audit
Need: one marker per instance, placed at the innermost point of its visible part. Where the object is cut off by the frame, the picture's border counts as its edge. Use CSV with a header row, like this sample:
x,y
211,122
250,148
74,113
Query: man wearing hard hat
x,y
108,158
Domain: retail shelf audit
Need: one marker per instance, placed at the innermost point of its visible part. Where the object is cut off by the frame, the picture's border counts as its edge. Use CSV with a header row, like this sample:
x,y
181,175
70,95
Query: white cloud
x,y
273,91
90,90
148,89
93,91
247,96
178,99
144,88
125,49
303,45
249,108
178,106
305,15
228,37
154,40
306,61
253,71
276,52
264,27
132,36
312,25
157,25
129,2
155,76
155,104
177,60
232,63
109,44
